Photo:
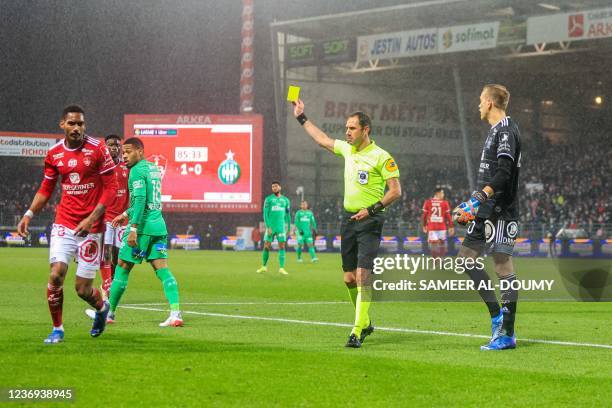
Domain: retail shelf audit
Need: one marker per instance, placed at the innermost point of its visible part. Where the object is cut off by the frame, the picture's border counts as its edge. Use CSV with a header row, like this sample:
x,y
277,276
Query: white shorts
x,y
114,236
434,236
66,246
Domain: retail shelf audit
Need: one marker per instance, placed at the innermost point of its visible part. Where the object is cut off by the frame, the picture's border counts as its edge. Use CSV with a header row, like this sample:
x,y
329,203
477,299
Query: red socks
x,y
55,298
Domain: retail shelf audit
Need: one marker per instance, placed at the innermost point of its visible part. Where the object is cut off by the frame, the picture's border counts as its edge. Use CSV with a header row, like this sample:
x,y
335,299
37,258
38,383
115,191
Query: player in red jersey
x,y
436,220
113,236
86,170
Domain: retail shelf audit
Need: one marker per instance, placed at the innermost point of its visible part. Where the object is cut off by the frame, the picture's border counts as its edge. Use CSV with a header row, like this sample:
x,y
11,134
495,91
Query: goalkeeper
x,y
492,213
305,223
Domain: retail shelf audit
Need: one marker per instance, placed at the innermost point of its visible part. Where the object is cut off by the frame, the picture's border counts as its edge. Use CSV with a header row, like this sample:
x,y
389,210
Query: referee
x,y
367,170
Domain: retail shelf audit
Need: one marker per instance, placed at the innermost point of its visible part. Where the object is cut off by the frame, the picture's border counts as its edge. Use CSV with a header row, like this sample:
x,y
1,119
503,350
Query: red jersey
x,y
436,214
122,199
87,179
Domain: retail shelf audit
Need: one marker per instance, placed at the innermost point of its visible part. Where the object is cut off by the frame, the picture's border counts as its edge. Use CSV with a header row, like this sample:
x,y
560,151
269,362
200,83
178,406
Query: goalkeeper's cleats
x,y
110,319
366,332
496,325
282,271
99,323
56,336
502,342
353,341
175,320
262,269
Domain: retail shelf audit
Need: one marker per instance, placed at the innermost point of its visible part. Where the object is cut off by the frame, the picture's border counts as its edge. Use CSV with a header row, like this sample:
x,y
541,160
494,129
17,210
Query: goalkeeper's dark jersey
x,y
504,139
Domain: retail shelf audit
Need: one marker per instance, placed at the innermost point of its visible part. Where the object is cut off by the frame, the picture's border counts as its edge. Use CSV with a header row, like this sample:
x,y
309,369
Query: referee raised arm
x,y
368,169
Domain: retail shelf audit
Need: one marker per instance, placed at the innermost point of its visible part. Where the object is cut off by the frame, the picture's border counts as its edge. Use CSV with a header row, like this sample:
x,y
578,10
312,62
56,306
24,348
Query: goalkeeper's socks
x,y
94,298
265,255
298,251
55,298
352,290
170,287
118,286
311,251
281,258
509,299
479,275
362,317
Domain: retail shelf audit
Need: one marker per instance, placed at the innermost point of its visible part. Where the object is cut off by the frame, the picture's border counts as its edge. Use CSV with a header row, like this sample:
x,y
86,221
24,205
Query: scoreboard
x,y
209,163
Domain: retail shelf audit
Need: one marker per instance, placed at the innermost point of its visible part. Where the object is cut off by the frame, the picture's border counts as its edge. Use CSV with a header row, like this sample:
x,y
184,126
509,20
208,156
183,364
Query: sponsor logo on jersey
x,y
512,229
75,178
390,165
87,151
58,156
138,184
72,163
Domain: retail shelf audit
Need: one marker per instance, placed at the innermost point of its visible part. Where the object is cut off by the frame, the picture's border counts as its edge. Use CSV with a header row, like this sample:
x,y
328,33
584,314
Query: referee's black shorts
x,y
360,241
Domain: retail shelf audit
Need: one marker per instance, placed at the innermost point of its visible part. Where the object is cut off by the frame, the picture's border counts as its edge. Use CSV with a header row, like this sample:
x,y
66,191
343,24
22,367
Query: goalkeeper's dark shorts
x,y
493,234
360,241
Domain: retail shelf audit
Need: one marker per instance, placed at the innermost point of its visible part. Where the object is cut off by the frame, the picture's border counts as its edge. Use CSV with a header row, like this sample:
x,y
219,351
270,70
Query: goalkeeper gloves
x,y
466,211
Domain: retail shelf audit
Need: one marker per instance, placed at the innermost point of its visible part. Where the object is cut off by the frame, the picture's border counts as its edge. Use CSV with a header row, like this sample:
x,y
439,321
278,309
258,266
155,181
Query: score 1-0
x,y
197,155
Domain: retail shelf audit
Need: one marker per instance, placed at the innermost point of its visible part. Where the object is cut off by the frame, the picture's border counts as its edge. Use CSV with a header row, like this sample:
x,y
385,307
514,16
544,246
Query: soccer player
x,y
492,213
277,218
147,238
368,169
86,172
113,236
436,219
305,224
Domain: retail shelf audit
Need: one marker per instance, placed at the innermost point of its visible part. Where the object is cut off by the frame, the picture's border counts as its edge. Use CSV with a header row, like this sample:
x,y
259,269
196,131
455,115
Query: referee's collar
x,y
367,148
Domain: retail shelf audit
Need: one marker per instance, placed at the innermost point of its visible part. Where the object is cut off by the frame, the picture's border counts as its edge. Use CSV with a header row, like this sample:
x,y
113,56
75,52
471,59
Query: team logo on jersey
x,y
87,161
89,251
512,229
74,178
160,161
363,176
72,163
489,231
390,165
229,169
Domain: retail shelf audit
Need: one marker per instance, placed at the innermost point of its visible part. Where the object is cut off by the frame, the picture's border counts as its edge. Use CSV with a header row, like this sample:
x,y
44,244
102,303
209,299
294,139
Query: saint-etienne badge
x,y
229,170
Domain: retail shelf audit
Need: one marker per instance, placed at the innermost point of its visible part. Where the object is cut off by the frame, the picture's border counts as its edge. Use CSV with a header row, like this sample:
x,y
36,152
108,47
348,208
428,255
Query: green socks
x,y
265,254
120,282
281,258
362,318
298,250
170,287
311,251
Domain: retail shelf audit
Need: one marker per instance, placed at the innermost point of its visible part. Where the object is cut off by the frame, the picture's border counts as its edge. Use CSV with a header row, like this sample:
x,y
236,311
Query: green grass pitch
x,y
285,355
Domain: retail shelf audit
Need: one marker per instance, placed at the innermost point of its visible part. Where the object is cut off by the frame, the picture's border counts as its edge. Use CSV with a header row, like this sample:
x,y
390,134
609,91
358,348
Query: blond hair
x,y
499,95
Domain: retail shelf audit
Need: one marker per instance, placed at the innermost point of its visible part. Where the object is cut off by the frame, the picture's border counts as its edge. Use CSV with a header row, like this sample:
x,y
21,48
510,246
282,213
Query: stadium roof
x,y
421,14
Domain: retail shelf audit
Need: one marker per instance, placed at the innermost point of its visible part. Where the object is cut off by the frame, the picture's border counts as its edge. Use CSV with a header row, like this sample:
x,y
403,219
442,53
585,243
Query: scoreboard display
x,y
209,163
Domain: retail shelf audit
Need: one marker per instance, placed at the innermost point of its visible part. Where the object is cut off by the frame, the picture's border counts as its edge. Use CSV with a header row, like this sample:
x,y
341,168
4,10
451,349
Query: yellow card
x,y
293,94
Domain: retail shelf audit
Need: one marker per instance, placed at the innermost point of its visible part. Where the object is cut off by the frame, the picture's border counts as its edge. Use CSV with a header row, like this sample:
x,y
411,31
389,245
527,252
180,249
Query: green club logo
x,y
229,170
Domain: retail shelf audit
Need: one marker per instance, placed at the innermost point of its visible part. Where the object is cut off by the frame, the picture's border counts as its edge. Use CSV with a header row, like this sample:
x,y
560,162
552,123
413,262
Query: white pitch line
x,y
391,329
241,303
